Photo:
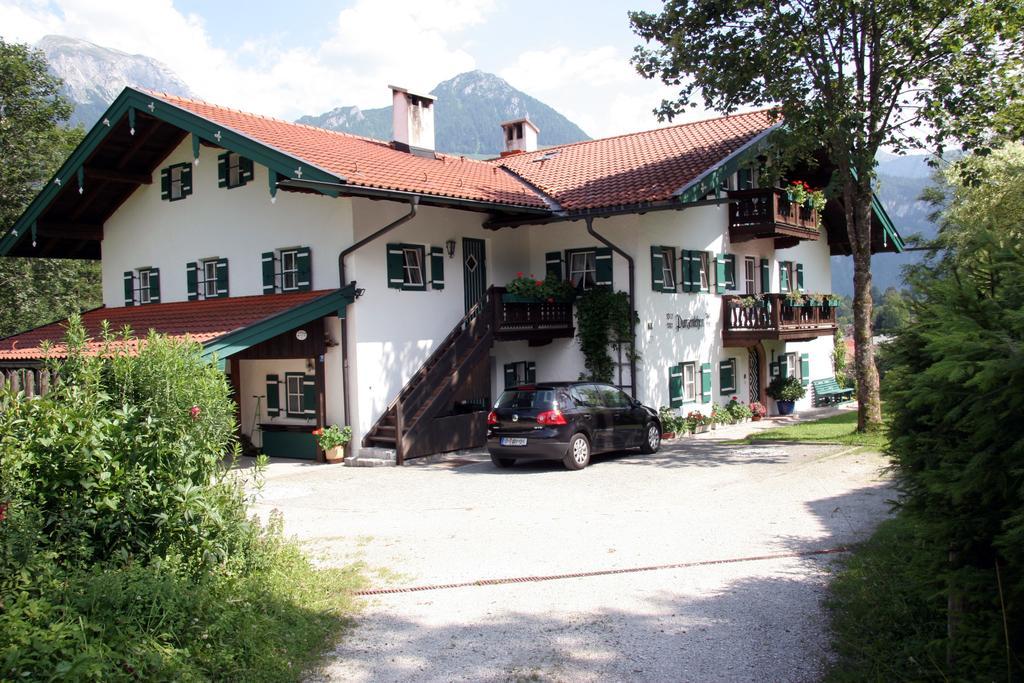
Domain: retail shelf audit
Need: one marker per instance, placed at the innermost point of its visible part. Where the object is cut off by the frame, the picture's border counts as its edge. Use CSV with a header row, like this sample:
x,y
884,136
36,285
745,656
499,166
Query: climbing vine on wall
x,y
603,318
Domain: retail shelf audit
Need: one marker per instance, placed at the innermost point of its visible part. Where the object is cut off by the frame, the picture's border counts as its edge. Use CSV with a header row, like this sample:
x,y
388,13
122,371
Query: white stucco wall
x,y
238,224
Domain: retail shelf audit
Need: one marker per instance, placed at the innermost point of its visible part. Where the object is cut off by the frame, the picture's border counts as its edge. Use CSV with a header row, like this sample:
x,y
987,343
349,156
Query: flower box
x,y
517,299
701,429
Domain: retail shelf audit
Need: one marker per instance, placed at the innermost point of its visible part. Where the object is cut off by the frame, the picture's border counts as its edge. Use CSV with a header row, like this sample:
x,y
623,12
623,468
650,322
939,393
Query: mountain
x,y
93,75
901,180
469,108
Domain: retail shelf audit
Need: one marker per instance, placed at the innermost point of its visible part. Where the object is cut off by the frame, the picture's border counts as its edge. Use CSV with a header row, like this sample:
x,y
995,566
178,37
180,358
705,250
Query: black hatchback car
x,y
568,421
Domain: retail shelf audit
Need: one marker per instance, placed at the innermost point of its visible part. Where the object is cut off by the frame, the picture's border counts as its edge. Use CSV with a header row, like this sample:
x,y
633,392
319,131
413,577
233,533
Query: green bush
x,y
786,389
126,551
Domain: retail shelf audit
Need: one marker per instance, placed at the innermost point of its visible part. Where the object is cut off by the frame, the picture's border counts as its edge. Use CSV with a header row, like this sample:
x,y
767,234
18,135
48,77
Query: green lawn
x,y
838,429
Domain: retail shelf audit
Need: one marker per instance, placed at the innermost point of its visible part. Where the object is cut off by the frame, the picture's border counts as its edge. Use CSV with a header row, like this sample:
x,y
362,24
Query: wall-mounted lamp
x,y
450,246
310,365
359,292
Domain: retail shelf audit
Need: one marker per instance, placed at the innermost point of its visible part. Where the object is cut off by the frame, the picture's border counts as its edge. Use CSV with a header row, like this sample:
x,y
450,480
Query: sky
x,y
309,56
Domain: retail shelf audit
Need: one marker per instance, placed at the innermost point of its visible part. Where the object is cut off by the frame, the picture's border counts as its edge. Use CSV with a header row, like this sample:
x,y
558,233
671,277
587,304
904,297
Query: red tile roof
x,y
202,321
638,167
371,163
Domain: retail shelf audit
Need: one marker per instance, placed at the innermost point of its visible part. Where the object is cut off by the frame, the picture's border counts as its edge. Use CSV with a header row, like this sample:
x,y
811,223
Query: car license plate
x,y
512,441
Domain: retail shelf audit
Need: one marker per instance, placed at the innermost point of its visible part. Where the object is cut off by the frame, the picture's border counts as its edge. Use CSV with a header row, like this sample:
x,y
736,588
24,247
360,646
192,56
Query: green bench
x,y
828,391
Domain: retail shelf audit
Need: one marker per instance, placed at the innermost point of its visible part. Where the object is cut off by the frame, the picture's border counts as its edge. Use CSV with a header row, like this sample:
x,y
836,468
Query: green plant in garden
x,y
334,436
671,420
786,389
603,318
550,289
738,411
126,548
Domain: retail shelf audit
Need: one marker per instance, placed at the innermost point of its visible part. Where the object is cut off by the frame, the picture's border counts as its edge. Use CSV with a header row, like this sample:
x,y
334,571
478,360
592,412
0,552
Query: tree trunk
x,y
858,221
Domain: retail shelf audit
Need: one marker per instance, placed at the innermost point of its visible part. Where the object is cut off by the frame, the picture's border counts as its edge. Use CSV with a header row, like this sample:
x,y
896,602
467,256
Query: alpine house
x,y
346,280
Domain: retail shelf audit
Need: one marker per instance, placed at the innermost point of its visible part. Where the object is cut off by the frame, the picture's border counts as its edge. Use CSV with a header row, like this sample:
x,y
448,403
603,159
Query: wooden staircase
x,y
421,420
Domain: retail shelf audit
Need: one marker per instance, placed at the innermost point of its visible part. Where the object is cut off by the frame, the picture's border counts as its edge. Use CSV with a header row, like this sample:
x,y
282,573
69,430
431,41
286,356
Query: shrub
x,y
671,421
786,389
738,411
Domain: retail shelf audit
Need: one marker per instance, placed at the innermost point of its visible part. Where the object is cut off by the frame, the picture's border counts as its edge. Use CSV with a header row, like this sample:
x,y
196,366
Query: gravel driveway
x,y
690,605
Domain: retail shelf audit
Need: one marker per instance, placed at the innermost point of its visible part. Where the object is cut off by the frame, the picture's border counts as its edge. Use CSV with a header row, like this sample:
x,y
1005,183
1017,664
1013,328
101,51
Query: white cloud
x,y
374,43
571,80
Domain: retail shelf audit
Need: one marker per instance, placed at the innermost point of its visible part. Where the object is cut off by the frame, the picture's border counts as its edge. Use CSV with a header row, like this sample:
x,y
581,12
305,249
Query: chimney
x,y
412,121
520,136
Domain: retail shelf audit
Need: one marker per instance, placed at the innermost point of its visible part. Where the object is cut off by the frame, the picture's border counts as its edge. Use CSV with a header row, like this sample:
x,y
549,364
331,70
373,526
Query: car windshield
x,y
527,399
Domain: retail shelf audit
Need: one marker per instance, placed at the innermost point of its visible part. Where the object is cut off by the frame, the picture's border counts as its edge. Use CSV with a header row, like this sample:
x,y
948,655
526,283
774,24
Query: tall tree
x,y
32,145
849,76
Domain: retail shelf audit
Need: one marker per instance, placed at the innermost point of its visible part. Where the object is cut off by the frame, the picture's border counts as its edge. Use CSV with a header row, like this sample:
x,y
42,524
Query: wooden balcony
x,y
535,321
768,213
773,318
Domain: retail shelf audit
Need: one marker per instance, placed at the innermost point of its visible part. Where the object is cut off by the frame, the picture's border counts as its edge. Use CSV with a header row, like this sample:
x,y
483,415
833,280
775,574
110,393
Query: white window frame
x,y
689,382
787,266
585,277
142,276
297,395
705,273
793,366
750,274
286,271
732,362
234,170
412,266
208,286
175,191
668,268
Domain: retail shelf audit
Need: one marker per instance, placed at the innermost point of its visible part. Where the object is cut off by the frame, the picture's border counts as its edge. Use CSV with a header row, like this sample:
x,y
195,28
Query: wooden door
x,y
474,270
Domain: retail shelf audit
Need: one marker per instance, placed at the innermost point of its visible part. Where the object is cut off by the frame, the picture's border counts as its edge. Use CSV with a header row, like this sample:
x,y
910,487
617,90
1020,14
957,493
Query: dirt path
x,y
699,510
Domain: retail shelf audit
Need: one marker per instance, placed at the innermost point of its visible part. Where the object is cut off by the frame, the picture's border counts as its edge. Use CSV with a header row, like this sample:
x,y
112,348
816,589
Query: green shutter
x,y
744,179
154,285
721,278
603,267
165,183
222,169
805,369
510,375
705,383
186,180
304,264
273,396
396,270
675,386
437,268
730,271
783,276
687,270
192,280
553,265
222,278
657,269
269,272
309,402
531,373
783,366
766,276
800,277
129,288
245,170
727,376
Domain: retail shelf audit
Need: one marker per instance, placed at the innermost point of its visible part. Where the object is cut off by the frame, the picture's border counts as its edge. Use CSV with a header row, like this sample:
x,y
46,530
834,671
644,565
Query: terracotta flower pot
x,y
336,454
756,418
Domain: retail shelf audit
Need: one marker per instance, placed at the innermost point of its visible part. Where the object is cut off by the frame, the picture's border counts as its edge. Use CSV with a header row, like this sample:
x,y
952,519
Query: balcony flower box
x,y
520,299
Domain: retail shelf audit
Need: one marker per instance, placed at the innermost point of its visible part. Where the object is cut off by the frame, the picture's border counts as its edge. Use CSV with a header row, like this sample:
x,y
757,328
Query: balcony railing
x,y
769,213
529,320
772,316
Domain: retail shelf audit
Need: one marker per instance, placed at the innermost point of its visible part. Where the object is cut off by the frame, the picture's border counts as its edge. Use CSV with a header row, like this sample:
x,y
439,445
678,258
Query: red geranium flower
x,y
194,412
519,274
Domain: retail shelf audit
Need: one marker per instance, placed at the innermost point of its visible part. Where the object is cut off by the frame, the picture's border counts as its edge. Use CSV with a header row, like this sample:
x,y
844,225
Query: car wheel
x,y
652,439
578,454
502,463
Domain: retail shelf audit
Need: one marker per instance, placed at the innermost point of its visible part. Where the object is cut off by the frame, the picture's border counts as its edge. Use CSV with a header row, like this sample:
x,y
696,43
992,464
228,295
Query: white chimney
x,y
520,136
412,120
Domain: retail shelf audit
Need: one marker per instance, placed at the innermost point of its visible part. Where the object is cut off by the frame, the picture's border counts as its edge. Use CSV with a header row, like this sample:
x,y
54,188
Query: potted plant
x,y
697,422
738,412
815,300
671,422
718,416
530,290
786,391
794,299
757,411
333,440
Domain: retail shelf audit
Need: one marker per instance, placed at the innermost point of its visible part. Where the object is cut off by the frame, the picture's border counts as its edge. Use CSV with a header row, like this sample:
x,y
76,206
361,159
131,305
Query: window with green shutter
x,y
689,381
436,268
294,394
705,383
766,276
696,270
286,270
675,385
129,288
727,376
663,265
603,265
721,277
233,170
207,279
730,272
268,261
799,277
176,182
273,396
805,369
309,395
520,373
141,286
406,267
783,276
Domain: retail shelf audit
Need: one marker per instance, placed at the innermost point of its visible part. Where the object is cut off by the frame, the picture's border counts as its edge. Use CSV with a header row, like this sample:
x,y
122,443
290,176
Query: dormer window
x,y
142,286
233,170
176,182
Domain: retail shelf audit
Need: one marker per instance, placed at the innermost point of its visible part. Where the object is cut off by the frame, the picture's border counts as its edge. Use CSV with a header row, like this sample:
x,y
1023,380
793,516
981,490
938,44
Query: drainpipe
x,y
341,283
632,298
